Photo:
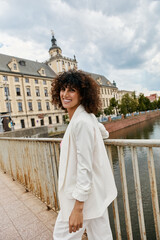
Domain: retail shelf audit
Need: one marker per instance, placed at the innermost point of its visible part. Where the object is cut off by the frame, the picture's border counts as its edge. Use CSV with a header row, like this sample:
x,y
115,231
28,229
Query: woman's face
x,y
70,98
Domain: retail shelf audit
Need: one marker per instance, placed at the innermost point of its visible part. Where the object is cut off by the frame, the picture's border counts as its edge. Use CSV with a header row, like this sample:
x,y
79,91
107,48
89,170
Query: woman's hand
x,y
76,217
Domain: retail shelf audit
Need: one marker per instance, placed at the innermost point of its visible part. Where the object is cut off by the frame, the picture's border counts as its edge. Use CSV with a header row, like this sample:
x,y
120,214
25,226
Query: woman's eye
x,y
72,90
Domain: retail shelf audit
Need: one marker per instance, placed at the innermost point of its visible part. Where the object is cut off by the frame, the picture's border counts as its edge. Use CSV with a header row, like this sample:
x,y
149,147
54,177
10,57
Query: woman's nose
x,y
65,93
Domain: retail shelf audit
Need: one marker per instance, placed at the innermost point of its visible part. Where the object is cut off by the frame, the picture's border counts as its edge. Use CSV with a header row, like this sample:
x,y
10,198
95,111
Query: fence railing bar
x,y
55,175
125,193
154,193
138,193
57,155
115,204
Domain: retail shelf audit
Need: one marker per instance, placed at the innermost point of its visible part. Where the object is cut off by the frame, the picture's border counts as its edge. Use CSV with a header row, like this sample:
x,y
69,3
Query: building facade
x,y
121,93
108,90
25,93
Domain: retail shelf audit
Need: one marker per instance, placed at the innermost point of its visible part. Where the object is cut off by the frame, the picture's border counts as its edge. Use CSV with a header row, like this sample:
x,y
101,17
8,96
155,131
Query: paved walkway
x,y
22,215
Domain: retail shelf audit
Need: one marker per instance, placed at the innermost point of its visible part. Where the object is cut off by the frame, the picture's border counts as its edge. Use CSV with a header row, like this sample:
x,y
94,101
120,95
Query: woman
x,y
86,183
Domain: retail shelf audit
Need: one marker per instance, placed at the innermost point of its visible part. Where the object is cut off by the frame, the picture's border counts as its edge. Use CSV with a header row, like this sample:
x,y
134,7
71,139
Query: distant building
x,y
121,93
108,90
153,97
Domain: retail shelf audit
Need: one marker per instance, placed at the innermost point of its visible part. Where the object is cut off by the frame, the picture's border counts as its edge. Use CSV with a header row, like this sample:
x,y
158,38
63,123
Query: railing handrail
x,y
115,142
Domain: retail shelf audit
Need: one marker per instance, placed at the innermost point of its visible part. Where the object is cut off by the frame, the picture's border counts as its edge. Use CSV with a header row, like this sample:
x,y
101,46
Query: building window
x,y
46,92
28,91
50,120
8,106
62,62
47,106
37,92
39,106
32,122
44,82
42,71
6,91
5,78
20,107
57,119
16,79
15,66
22,123
69,64
36,81
30,106
27,80
18,92
42,122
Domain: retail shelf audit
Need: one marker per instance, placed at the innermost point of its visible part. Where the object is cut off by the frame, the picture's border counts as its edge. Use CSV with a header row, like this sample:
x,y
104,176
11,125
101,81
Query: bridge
x,y
34,164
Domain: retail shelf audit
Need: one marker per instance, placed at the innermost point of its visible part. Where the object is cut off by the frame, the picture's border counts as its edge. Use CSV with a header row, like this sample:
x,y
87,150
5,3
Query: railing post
x,y
55,174
153,185
114,204
138,194
125,193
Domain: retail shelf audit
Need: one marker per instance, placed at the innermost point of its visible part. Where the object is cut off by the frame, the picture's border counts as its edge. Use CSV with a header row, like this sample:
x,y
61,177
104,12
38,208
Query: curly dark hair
x,y
88,89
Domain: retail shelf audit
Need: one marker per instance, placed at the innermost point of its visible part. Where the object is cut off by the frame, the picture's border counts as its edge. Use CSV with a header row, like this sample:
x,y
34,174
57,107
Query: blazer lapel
x,y
64,154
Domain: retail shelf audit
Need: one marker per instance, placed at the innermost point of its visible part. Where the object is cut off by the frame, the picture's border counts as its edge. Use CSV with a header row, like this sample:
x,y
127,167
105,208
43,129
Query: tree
x,y
114,104
128,104
154,105
158,103
99,114
143,103
108,111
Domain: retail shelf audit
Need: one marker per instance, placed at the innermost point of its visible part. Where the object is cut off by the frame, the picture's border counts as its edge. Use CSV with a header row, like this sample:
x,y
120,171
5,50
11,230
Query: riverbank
x,y
123,123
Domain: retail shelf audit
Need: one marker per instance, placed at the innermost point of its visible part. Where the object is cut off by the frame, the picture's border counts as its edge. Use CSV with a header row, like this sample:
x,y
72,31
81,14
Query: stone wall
x,y
123,123
36,132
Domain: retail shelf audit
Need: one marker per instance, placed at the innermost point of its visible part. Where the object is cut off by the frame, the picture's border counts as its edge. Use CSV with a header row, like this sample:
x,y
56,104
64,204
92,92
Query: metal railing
x,y
34,163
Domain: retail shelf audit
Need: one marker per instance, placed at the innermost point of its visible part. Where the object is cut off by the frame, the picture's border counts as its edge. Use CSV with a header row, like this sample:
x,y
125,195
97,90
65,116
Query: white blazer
x,y
85,173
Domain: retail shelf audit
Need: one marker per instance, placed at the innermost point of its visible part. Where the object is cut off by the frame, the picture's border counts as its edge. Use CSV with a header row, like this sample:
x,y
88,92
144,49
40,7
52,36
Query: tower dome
x,y
54,49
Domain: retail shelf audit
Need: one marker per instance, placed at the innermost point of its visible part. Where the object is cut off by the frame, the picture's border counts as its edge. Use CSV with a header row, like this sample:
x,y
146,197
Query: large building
x,y
25,89
25,92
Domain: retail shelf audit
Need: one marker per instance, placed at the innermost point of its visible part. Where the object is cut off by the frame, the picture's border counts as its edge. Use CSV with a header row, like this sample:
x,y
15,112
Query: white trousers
x,y
97,229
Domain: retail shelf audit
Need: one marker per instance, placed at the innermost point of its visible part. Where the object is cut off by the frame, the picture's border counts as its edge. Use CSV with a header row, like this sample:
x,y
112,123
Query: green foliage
x,y
158,103
114,104
108,111
99,114
66,119
128,104
143,103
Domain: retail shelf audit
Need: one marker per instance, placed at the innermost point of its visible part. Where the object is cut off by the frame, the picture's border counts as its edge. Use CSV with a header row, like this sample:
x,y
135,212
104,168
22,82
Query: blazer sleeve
x,y
104,132
84,135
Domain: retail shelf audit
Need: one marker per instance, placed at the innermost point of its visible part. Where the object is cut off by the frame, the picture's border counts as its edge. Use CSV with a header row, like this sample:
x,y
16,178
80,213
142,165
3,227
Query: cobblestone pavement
x,y
22,215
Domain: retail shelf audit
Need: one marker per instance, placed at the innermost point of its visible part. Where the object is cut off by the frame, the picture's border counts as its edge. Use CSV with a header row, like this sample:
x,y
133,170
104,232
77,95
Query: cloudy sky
x,y
119,39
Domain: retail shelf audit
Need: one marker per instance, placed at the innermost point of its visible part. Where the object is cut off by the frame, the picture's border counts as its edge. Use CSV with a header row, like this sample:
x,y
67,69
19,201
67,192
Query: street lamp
x,y
1,125
4,85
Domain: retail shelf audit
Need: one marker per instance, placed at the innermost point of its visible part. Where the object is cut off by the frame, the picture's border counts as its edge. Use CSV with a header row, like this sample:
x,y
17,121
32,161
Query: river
x,y
146,130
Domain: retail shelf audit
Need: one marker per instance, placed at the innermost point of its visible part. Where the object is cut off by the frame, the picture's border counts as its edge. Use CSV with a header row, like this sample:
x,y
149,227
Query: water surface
x,y
146,130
